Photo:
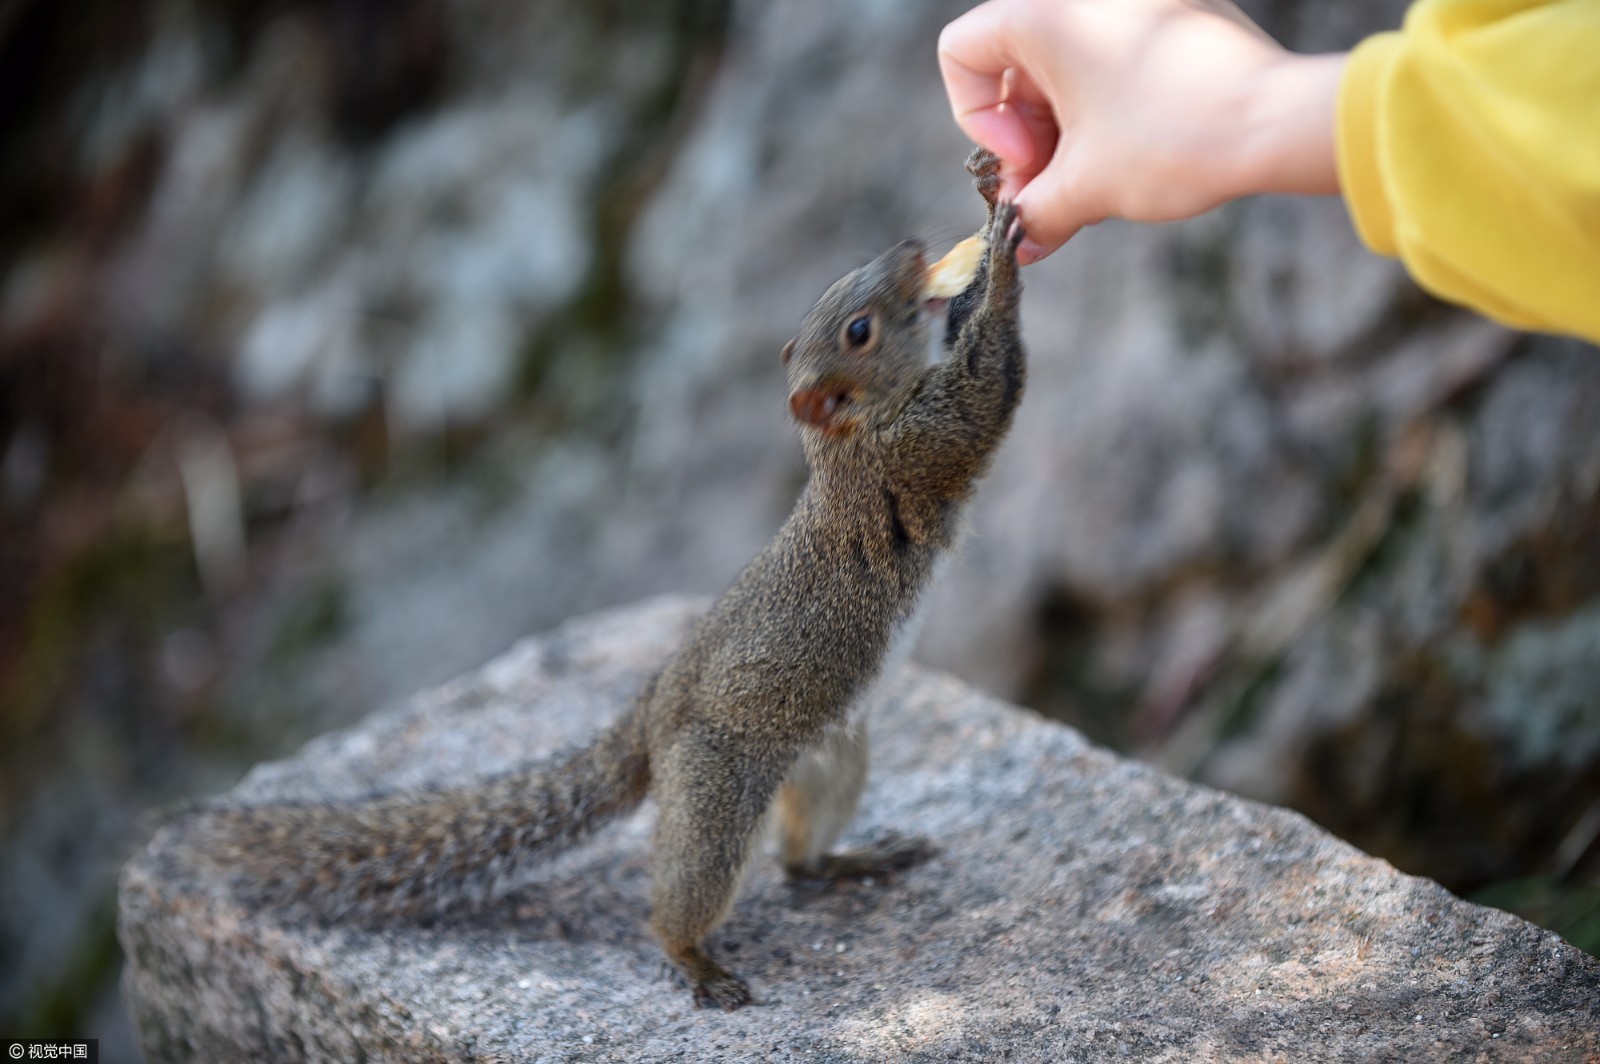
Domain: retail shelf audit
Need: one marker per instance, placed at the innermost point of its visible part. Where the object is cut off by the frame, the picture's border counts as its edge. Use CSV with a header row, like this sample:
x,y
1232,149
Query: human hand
x,y
1150,110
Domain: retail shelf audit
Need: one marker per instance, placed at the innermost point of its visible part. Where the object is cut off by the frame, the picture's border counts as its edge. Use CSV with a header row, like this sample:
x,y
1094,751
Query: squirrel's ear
x,y
788,352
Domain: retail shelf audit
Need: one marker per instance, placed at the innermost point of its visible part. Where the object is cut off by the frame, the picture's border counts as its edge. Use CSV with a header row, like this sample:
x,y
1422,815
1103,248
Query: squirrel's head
x,y
859,352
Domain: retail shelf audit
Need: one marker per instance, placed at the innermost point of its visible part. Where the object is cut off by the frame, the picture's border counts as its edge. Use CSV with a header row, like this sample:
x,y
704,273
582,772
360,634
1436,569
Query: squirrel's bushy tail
x,y
422,852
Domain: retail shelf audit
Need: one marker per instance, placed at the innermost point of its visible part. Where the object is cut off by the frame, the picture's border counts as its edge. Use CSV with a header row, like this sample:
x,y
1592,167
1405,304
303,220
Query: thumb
x,y
1055,205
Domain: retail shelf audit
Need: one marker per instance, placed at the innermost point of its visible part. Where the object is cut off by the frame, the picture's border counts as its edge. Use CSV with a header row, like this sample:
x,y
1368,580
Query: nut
x,y
951,274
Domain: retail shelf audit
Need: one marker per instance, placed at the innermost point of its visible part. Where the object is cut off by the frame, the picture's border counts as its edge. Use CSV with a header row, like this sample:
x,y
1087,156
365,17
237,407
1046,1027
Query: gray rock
x,y
1083,907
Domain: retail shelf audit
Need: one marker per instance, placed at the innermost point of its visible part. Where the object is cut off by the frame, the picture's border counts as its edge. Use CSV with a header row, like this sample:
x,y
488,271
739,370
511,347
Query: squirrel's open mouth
x,y
826,407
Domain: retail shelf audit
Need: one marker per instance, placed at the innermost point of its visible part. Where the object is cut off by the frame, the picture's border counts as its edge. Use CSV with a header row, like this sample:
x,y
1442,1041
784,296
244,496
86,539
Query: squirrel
x,y
757,715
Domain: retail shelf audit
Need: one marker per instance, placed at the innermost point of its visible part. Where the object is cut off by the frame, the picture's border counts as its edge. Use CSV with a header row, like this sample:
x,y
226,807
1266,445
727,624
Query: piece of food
x,y
951,274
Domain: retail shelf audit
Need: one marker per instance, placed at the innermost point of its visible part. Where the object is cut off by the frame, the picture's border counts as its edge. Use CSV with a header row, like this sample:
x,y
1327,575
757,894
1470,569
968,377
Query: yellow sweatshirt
x,y
1469,146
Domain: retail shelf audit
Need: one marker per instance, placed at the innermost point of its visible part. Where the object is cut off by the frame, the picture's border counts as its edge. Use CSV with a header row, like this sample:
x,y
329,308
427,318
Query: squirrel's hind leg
x,y
819,797
816,802
710,820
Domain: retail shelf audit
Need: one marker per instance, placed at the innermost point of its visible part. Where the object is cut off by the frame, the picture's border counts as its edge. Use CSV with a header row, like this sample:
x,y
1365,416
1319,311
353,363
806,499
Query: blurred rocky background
x,y
342,343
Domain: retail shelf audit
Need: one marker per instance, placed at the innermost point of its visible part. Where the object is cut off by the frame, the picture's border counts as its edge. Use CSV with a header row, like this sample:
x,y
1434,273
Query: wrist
x,y
1287,144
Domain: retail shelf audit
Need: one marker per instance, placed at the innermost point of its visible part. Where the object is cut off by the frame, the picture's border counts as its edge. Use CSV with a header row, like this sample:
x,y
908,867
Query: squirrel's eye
x,y
859,331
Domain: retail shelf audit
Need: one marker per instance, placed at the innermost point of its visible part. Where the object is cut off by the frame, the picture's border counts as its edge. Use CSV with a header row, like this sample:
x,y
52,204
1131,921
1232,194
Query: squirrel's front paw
x,y
1003,240
1008,223
984,166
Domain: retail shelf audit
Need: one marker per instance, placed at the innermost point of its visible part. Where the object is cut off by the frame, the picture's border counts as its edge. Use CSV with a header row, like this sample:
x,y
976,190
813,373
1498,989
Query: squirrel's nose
x,y
820,405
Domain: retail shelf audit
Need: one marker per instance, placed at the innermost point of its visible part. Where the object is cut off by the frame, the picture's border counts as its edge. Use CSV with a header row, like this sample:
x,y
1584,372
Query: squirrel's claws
x,y
1009,222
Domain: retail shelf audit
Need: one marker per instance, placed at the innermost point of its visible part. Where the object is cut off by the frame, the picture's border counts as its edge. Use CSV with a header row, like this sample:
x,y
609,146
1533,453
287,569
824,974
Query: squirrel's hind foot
x,y
726,991
881,860
711,983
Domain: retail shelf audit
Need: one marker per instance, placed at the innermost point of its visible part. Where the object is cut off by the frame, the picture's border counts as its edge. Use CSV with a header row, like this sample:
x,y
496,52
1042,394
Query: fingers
x,y
999,104
974,54
1003,131
992,100
1032,111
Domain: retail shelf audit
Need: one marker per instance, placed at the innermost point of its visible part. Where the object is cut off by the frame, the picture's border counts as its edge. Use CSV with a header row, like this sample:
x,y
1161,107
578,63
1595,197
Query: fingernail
x,y
1030,252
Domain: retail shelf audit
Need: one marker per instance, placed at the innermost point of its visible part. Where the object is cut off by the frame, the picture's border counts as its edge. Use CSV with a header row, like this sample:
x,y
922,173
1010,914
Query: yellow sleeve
x,y
1469,146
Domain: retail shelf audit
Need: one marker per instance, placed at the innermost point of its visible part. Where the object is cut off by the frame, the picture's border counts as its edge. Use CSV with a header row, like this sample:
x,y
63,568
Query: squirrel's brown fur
x,y
756,711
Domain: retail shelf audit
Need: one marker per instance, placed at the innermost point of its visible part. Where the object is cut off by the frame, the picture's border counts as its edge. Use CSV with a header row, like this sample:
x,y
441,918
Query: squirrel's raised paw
x,y
1005,235
984,166
1008,223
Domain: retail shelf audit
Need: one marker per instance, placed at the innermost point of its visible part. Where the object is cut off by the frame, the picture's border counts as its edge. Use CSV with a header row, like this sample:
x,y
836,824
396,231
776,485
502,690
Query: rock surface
x,y
1083,907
